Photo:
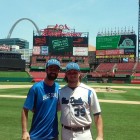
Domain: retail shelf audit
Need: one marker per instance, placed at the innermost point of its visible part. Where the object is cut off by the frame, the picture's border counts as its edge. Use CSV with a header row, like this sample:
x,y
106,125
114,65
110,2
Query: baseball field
x,y
120,106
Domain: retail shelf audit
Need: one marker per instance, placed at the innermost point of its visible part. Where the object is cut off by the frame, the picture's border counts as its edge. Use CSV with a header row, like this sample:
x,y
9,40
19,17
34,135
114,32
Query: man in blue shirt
x,y
42,100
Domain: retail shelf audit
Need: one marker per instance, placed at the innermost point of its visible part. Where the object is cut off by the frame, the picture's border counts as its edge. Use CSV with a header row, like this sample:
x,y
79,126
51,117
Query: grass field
x,y
14,74
121,121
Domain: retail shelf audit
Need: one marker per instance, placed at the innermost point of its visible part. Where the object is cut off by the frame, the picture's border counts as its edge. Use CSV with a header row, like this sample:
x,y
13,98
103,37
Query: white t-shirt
x,y
78,105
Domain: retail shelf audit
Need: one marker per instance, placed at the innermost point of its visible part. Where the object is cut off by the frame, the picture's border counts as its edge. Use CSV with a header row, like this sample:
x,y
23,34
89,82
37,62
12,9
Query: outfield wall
x,y
12,64
10,79
119,80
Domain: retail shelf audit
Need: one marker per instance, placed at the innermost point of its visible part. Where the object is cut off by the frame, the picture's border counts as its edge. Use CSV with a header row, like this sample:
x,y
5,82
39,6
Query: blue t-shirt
x,y
42,100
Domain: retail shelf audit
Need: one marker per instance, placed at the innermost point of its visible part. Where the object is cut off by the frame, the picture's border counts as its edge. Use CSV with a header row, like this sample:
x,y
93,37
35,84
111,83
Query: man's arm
x,y
24,121
99,126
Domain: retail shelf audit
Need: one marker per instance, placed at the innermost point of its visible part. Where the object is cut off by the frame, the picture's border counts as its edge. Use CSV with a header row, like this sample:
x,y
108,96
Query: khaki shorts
x,y
80,135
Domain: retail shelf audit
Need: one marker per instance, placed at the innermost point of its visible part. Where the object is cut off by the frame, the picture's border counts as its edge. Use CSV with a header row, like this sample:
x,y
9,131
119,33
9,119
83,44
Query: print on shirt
x,y
73,101
79,111
49,95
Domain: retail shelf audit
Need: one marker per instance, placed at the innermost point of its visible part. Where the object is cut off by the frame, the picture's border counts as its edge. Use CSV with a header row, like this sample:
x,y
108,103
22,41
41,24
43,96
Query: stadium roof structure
x,y
10,52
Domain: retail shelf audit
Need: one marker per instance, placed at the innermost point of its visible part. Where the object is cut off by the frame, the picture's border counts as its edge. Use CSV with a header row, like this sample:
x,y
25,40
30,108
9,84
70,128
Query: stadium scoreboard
x,y
66,44
51,45
116,48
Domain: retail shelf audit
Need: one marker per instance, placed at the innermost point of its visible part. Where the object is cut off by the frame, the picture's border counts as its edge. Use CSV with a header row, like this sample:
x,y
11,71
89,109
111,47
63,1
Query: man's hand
x,y
25,136
99,138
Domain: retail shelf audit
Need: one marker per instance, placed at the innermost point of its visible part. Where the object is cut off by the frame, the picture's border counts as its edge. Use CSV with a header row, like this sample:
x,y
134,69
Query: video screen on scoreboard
x,y
127,42
40,41
60,45
80,41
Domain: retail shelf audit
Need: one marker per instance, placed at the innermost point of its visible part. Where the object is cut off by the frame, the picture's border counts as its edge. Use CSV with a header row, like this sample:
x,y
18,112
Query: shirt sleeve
x,y
95,106
30,100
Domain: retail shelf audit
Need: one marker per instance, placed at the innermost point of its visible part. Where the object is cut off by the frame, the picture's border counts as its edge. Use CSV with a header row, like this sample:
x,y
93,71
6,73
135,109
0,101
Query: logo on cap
x,y
53,62
72,66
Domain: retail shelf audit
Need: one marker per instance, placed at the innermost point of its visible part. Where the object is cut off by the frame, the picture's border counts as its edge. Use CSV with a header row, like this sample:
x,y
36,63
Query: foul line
x,y
12,96
119,101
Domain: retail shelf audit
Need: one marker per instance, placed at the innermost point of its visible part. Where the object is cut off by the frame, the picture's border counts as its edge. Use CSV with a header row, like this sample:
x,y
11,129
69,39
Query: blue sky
x,y
83,15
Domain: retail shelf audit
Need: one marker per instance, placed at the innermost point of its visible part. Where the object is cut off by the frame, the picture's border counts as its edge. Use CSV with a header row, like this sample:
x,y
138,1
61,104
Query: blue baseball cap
x,y
72,66
53,62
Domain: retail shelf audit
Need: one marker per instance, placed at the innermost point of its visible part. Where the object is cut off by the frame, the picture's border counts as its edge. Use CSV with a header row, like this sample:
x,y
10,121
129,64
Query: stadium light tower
x,y
139,33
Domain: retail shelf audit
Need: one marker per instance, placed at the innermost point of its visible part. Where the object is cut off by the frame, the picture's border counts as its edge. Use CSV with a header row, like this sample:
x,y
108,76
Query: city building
x,y
12,42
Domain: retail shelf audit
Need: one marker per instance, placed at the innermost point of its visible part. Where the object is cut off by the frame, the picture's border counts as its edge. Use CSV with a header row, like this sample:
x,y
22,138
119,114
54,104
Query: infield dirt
x,y
97,89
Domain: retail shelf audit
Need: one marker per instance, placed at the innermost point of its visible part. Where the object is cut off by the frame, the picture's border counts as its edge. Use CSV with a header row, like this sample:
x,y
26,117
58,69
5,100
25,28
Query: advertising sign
x,y
114,52
36,50
100,52
80,51
60,31
107,42
44,50
4,48
110,52
127,56
116,56
116,42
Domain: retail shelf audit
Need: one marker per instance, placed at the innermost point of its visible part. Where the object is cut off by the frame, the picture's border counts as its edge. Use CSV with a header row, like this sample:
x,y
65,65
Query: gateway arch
x,y
11,30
